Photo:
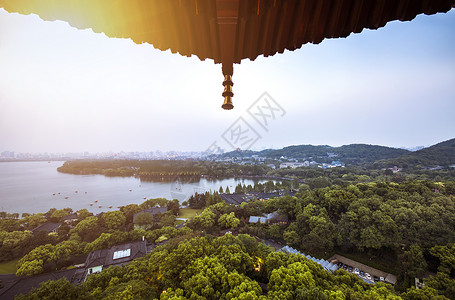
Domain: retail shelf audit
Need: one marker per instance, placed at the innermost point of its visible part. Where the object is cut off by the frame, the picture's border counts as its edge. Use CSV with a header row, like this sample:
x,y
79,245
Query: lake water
x,y
30,187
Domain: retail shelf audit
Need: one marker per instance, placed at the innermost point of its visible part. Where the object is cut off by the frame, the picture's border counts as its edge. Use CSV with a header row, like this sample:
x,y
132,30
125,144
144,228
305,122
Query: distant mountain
x,y
441,154
350,154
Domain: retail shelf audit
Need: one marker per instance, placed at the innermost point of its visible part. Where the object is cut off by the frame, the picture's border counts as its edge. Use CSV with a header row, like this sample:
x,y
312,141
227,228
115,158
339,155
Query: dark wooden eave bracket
x,y
227,12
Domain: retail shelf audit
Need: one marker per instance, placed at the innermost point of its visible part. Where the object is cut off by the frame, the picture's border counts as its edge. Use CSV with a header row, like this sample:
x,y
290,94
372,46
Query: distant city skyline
x,y
69,90
152,154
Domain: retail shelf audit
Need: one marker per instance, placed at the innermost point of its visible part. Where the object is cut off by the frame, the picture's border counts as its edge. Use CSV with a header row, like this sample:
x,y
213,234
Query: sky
x,y
68,90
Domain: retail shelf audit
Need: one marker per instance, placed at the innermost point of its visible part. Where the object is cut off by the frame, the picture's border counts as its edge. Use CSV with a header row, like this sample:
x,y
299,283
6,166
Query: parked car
x,y
376,278
340,264
381,278
356,271
350,269
362,273
345,266
368,276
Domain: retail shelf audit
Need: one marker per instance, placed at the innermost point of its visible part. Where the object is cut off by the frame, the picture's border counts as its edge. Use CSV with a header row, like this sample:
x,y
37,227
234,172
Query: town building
x,y
47,227
118,255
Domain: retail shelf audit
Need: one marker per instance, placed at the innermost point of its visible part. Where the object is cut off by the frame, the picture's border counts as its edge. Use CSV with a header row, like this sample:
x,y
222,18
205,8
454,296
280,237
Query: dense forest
x,y
161,169
406,228
170,170
442,154
355,154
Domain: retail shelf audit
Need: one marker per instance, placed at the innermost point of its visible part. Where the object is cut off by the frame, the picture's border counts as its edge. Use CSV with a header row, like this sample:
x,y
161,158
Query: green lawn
x,y
189,212
8,267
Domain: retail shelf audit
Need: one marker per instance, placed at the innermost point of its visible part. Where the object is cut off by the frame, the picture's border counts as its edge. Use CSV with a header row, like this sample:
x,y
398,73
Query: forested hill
x,y
441,154
358,154
350,154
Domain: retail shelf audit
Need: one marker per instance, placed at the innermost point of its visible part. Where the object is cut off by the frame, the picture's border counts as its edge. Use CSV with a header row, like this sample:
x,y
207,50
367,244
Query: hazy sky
x,y
64,89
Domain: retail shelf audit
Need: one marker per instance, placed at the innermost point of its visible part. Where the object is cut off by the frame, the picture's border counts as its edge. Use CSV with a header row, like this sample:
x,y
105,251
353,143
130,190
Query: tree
x,y
167,220
129,211
446,255
133,289
206,220
114,219
285,280
150,203
274,231
145,220
443,284
291,237
174,206
65,249
33,221
31,267
58,215
228,221
412,261
88,229
83,214
227,190
197,201
426,293
220,190
388,172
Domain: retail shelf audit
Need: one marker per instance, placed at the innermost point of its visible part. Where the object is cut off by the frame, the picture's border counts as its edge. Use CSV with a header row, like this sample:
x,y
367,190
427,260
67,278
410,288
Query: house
x,y
13,286
255,219
47,227
154,211
96,261
272,218
395,169
69,219
235,199
328,266
118,255
267,196
294,165
277,218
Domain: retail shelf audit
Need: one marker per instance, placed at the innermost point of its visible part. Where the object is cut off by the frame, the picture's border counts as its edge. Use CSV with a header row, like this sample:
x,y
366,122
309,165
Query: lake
x,y
37,186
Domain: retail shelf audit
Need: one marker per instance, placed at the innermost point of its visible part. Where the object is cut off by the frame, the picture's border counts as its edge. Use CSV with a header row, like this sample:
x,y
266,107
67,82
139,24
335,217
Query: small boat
x,y
86,192
131,190
75,192
59,193
99,206
66,197
110,206
91,204
145,198
53,194
96,201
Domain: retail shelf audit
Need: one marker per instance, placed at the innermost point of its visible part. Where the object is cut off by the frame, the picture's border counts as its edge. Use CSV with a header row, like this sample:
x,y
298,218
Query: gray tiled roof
x,y
105,257
325,264
23,285
48,227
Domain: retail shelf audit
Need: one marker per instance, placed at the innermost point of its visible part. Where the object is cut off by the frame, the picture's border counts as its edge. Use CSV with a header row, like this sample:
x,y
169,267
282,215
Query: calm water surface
x,y
29,187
